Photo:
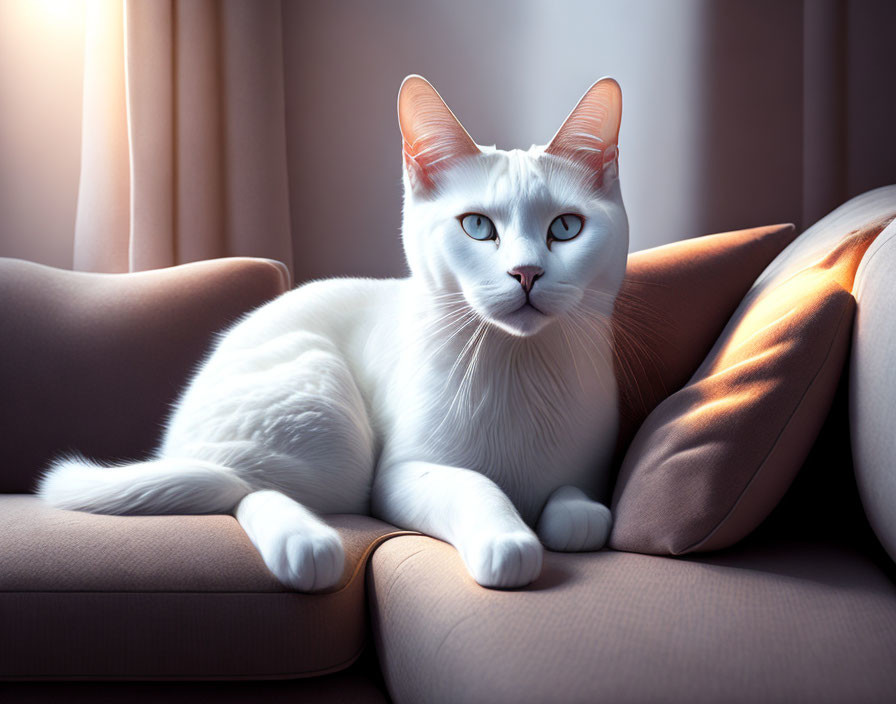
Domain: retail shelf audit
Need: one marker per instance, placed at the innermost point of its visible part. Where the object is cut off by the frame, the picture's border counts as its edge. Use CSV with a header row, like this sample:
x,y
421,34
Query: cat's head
x,y
525,236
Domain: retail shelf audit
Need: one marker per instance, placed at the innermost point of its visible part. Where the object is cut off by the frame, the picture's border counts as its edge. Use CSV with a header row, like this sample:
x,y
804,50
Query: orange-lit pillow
x,y
674,303
713,459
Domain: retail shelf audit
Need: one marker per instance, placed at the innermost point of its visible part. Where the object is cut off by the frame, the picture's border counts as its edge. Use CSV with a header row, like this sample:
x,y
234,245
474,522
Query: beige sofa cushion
x,y
88,596
789,622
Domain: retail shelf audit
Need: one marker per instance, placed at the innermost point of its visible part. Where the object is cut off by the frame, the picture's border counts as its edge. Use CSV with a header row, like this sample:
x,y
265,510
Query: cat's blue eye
x,y
478,226
565,227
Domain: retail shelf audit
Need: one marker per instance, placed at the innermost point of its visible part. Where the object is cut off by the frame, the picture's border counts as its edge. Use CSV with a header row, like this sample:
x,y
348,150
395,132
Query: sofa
x,y
151,608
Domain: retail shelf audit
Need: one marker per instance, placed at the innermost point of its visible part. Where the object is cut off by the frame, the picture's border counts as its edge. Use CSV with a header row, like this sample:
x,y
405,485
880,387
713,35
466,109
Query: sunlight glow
x,y
57,12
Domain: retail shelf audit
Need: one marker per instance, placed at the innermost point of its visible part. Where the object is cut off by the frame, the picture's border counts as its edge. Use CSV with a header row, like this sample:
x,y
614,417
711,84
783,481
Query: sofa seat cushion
x,y
767,622
165,597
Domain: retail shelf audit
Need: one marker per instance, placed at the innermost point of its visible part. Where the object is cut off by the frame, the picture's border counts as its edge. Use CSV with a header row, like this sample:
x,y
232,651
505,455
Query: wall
x,y
870,95
511,70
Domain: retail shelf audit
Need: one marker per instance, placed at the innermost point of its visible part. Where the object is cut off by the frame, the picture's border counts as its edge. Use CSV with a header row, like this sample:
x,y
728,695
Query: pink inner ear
x,y
432,136
590,134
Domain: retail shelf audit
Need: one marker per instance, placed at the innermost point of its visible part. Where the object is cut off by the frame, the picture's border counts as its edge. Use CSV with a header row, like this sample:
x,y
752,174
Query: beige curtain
x,y
183,138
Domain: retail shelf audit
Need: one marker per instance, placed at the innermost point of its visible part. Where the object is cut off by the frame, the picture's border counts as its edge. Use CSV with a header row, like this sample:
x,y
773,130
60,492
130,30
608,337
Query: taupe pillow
x,y
674,303
713,459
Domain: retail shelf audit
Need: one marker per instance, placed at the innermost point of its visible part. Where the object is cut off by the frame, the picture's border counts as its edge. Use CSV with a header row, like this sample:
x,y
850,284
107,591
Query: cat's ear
x,y
432,136
590,134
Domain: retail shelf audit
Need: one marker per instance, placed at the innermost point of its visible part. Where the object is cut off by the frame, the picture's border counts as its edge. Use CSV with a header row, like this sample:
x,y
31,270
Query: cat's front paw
x,y
505,560
307,561
571,522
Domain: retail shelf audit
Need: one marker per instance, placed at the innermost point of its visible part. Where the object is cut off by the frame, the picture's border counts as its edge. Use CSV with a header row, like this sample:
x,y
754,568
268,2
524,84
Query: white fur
x,y
302,551
167,485
571,522
435,402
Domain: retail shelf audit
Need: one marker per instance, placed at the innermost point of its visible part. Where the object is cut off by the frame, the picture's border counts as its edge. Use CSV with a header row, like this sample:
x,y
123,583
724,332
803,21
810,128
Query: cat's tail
x,y
161,486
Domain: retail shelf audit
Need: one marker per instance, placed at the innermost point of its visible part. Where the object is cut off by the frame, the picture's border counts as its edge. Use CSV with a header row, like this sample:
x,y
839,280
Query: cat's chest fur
x,y
531,414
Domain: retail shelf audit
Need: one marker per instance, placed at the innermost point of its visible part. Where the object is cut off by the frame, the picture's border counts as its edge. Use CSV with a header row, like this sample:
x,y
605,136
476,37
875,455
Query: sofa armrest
x,y
92,362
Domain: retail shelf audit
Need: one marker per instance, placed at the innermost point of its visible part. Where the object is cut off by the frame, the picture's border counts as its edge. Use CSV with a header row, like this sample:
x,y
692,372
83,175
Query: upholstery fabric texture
x,y
873,386
92,362
166,597
772,622
673,304
713,460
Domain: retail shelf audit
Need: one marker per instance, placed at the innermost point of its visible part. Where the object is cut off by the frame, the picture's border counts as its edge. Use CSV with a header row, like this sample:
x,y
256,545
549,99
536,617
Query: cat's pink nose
x,y
527,275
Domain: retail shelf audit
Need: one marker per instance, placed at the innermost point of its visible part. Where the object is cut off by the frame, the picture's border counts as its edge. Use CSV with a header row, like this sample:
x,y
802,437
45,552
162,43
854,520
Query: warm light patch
x,y
771,320
746,369
58,12
742,338
715,406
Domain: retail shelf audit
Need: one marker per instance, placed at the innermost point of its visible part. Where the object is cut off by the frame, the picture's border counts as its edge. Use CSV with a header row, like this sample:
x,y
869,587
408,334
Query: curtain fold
x,y
102,218
184,137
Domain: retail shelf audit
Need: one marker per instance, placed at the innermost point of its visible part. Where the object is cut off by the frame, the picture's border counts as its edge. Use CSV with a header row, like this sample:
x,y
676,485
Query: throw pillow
x,y
713,459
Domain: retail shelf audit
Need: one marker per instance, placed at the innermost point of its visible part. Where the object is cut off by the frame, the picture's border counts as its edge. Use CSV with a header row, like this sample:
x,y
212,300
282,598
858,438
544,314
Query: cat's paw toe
x,y
307,561
575,525
506,560
315,562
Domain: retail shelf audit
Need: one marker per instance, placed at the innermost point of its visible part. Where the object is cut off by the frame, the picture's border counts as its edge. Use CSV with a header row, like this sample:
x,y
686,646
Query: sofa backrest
x,y
849,478
872,388
92,362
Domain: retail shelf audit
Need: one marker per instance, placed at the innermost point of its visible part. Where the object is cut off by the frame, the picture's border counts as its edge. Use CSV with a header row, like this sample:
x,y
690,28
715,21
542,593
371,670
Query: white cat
x,y
473,401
